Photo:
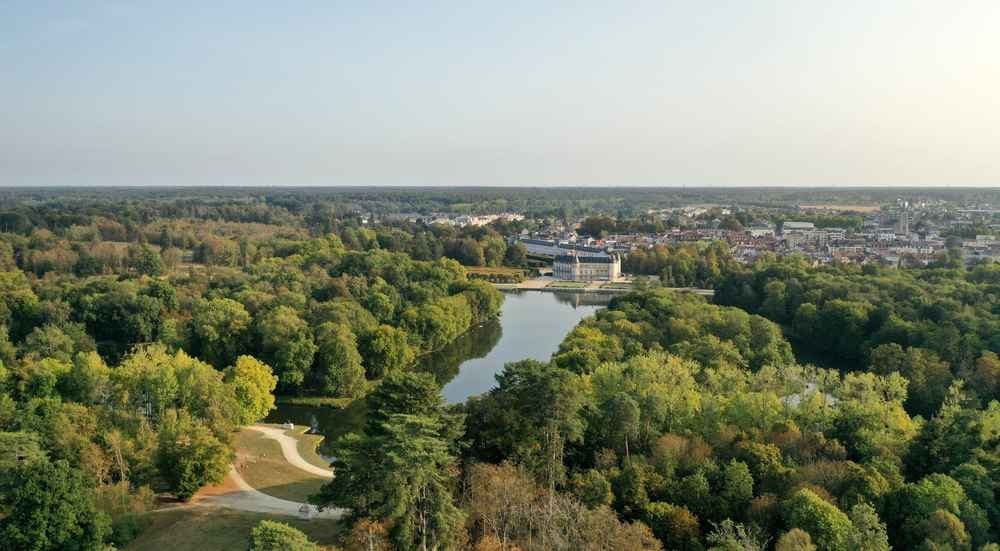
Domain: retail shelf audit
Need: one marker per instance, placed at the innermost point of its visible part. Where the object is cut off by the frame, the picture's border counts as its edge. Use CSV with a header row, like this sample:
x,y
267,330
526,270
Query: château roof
x,y
570,259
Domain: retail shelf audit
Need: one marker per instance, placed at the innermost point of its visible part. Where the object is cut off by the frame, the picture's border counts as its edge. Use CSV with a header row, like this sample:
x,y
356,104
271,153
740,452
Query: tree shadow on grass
x,y
299,490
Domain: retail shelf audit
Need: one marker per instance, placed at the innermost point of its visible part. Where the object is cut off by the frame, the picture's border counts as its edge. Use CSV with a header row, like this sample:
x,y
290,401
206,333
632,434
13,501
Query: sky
x,y
551,93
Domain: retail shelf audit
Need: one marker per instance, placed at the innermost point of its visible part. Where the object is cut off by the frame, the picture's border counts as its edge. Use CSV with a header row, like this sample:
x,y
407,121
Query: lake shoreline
x,y
595,287
530,326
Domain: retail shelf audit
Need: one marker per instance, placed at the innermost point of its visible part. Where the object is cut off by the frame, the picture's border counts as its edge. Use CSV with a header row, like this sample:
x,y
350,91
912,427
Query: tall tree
x,y
928,376
219,330
401,468
338,370
546,403
417,470
621,415
869,533
287,344
49,506
253,385
385,350
189,455
828,525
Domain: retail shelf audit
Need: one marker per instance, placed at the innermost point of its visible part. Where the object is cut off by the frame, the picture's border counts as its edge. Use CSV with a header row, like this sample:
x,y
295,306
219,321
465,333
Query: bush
x,y
276,536
126,528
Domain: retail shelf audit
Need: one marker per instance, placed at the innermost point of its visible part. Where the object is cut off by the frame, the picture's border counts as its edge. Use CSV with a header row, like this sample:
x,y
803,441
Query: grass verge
x,y
567,284
618,285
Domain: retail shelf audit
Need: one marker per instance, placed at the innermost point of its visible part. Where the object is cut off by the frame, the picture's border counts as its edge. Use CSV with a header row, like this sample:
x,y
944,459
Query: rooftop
x,y
570,259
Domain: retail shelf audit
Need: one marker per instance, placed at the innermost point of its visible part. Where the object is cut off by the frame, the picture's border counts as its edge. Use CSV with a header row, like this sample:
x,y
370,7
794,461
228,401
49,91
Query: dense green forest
x,y
933,325
697,421
669,421
130,353
805,407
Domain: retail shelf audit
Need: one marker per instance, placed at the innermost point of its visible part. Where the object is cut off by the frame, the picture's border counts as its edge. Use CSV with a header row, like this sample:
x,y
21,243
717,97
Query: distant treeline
x,y
52,208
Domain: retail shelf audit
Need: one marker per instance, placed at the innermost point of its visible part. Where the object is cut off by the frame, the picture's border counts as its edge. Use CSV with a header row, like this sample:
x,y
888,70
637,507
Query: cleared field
x,y
260,462
216,529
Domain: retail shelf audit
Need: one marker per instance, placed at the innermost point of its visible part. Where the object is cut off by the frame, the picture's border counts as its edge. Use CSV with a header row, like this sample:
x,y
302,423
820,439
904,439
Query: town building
x,y
791,226
586,268
545,247
760,231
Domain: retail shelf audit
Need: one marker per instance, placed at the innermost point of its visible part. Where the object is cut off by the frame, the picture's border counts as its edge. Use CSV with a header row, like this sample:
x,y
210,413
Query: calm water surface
x,y
531,326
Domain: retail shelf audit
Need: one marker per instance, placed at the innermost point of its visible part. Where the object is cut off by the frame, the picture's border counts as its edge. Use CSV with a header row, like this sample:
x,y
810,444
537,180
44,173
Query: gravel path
x,y
236,493
290,449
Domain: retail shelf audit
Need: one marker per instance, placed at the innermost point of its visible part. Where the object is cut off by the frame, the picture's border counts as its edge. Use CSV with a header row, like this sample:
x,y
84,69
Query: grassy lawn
x,y
497,274
494,270
618,285
217,529
567,284
260,462
307,446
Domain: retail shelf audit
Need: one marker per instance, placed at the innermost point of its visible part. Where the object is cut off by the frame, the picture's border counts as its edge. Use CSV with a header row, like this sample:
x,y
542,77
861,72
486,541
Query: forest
x,y
129,352
804,407
56,206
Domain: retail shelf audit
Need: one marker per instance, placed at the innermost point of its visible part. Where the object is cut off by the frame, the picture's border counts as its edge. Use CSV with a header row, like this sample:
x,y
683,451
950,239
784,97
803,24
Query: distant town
x,y
909,232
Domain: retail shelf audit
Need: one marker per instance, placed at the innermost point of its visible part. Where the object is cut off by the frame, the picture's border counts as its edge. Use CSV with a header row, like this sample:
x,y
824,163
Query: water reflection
x,y
577,300
332,423
477,343
531,326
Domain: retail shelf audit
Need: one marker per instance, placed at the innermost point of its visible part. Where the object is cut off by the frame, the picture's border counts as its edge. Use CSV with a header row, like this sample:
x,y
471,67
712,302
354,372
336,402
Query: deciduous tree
x,y
219,331
189,455
287,345
338,370
253,387
50,506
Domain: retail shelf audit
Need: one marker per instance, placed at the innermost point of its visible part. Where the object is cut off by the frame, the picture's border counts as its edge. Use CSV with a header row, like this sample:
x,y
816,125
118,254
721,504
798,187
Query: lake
x,y
531,326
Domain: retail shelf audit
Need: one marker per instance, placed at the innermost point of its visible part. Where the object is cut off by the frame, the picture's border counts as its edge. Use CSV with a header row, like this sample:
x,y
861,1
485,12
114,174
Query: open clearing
x,y
261,463
218,529
292,442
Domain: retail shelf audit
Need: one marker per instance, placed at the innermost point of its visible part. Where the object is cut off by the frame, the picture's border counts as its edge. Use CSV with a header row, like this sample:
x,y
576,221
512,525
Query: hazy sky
x,y
500,93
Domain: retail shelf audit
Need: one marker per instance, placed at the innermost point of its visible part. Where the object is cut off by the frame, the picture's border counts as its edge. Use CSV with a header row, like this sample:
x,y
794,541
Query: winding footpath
x,y
236,493
290,450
